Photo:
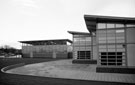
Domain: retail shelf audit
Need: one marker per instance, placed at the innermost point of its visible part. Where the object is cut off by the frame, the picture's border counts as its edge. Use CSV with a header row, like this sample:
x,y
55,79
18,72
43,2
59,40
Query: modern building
x,y
84,47
111,40
60,48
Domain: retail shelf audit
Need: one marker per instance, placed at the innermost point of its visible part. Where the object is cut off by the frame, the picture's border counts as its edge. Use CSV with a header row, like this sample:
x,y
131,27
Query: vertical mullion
x,y
125,34
91,52
106,45
79,47
73,48
85,48
115,46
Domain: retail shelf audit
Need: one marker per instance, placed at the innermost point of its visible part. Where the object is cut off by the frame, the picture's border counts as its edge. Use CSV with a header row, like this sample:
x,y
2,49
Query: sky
x,y
51,19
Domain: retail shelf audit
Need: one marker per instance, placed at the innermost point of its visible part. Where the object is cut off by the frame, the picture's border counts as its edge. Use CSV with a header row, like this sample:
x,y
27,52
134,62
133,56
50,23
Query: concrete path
x,y
65,69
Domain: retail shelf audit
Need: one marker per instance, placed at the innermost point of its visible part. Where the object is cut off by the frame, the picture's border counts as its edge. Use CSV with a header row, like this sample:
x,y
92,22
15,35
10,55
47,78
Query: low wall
x,y
11,67
115,70
79,61
25,55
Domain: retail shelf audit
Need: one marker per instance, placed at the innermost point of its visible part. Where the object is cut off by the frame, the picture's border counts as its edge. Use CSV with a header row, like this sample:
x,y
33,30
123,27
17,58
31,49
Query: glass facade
x,y
82,46
111,44
115,40
47,49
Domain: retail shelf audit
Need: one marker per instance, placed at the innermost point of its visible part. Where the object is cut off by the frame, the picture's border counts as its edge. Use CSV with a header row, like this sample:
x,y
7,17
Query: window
x,y
102,46
101,26
82,46
88,41
111,58
109,25
110,36
111,49
102,38
76,41
102,32
110,31
112,54
102,41
83,54
103,50
76,35
76,48
120,38
88,38
111,46
119,25
120,31
82,40
130,25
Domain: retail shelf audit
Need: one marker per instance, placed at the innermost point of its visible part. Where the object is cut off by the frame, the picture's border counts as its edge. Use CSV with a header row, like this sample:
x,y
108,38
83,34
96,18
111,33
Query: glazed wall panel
x,y
130,35
131,54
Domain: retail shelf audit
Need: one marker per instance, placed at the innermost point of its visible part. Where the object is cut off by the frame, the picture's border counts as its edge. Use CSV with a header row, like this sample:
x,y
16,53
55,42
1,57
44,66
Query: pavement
x,y
65,69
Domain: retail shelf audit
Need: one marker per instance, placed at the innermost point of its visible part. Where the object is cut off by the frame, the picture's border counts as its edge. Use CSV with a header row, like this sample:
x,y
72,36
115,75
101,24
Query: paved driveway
x,y
65,69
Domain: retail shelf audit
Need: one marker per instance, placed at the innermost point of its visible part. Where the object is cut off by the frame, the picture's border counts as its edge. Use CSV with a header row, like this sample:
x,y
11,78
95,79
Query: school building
x,y
57,48
110,43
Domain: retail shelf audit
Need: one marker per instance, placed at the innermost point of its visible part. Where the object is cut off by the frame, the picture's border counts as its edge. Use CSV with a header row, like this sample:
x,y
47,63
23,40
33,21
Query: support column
x,y
54,54
31,54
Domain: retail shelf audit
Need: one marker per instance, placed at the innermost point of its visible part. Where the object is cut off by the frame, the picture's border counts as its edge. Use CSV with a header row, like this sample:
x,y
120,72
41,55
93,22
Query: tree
x,y
8,50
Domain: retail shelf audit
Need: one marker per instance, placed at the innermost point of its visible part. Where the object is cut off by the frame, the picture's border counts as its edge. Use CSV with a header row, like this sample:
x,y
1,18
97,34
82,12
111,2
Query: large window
x,y
101,25
130,25
111,36
112,58
84,55
120,38
111,44
119,25
112,25
76,41
101,36
82,46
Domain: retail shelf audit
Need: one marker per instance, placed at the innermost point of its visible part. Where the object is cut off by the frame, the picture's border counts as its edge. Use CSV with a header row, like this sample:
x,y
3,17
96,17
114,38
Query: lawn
x,y
14,79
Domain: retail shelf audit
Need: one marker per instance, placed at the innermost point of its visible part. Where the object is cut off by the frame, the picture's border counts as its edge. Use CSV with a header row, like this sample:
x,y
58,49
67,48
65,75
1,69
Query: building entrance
x,y
111,58
84,54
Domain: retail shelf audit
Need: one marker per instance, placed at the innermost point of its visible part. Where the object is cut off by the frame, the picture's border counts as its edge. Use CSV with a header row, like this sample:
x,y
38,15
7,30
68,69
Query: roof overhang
x,y
78,33
43,41
91,20
109,19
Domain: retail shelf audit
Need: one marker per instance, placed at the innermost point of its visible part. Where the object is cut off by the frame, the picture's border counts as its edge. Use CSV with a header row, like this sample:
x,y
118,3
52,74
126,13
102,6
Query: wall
x,y
45,51
130,35
131,54
43,48
81,43
130,46
95,53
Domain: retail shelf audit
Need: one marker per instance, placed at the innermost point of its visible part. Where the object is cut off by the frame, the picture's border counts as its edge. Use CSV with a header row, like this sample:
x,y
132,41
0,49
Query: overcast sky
x,y
51,19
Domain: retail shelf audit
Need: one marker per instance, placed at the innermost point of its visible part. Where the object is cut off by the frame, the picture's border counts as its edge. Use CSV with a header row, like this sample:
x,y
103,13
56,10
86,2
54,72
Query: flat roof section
x,y
46,42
